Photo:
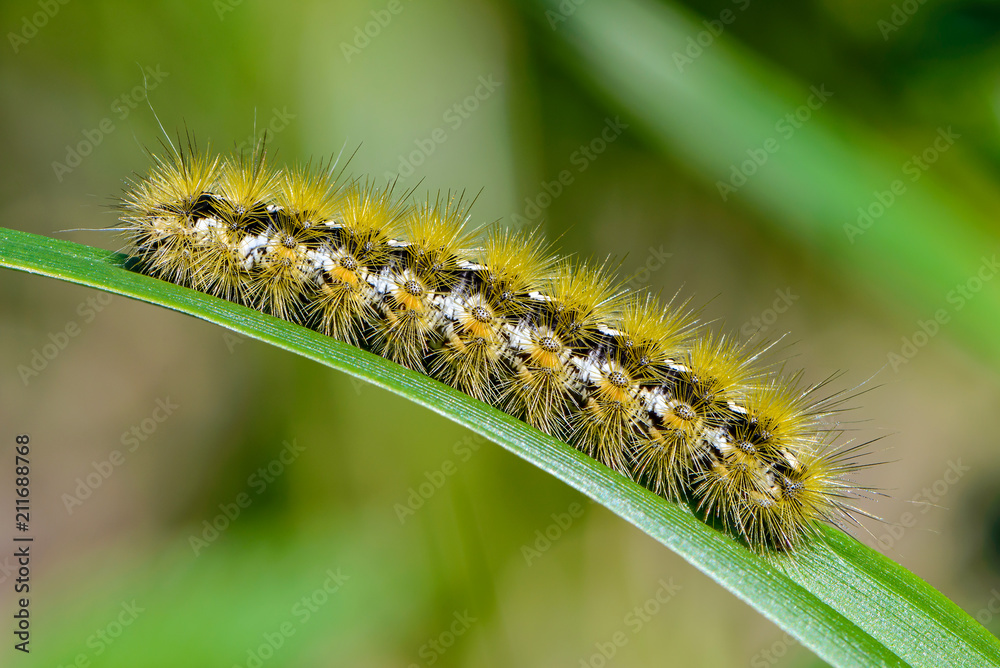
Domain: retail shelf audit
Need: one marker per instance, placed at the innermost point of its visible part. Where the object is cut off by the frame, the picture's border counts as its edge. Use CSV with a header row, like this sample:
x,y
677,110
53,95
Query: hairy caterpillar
x,y
635,384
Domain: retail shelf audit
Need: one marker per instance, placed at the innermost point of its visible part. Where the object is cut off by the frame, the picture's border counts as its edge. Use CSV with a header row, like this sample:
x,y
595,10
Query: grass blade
x,y
847,603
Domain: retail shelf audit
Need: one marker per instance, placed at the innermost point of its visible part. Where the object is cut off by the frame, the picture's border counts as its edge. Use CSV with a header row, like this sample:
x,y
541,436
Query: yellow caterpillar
x,y
631,382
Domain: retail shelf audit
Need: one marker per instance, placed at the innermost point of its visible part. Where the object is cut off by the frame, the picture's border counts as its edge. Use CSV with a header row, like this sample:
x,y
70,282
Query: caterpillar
x,y
634,383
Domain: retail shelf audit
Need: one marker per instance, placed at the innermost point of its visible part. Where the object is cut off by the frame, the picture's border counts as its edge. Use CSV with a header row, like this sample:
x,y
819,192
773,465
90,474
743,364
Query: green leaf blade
x,y
847,603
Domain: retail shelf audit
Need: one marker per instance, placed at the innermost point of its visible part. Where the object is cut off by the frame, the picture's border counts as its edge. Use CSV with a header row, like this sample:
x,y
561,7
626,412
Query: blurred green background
x,y
775,162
